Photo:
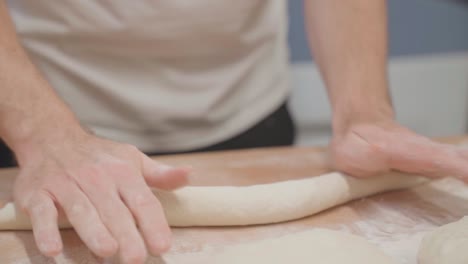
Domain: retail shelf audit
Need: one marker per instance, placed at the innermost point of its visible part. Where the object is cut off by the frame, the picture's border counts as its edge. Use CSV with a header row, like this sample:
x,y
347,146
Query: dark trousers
x,y
277,129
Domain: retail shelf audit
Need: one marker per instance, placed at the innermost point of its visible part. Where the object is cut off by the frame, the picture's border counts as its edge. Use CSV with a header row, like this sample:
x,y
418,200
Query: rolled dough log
x,y
256,204
447,244
320,246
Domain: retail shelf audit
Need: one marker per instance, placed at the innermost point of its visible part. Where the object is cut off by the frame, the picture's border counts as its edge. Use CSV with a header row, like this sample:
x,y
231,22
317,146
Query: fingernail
x,y
165,168
188,168
50,248
162,243
105,245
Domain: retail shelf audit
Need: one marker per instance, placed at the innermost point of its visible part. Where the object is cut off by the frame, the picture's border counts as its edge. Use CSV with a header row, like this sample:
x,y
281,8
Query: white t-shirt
x,y
164,75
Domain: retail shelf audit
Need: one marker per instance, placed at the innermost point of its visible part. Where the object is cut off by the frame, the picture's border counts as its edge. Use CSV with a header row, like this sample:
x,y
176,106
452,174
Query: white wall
x,y
430,94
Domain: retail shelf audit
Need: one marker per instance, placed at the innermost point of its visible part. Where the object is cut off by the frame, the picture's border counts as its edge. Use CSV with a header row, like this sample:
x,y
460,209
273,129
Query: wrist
x,y
349,114
36,138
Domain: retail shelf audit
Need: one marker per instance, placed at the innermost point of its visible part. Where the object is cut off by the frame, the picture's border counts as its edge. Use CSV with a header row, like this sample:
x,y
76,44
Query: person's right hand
x,y
103,189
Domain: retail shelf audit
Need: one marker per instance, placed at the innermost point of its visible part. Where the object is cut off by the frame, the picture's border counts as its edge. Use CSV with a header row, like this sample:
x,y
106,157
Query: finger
x,y
84,218
149,216
460,168
43,213
423,156
163,176
121,224
117,218
417,154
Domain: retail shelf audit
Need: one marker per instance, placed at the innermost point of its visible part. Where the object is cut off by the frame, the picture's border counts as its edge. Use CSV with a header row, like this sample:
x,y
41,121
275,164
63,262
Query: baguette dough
x,y
448,244
256,204
320,246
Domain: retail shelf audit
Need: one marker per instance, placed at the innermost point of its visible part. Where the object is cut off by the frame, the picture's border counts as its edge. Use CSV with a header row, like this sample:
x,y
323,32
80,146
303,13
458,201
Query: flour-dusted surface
x,y
398,227
446,245
395,222
321,246
392,221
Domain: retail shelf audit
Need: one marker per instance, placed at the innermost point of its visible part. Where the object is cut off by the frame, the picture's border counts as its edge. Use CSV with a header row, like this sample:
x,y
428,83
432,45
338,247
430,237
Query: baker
x,y
88,87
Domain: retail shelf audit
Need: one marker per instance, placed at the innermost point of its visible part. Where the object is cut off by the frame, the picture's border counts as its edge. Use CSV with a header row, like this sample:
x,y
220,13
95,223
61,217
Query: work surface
x,y
395,221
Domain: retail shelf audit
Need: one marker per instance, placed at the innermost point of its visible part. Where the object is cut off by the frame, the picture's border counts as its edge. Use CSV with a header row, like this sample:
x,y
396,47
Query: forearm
x,y
349,43
30,111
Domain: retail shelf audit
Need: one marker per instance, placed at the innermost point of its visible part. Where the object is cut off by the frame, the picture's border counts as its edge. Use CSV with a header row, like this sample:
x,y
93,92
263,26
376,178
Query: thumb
x,y
356,156
163,176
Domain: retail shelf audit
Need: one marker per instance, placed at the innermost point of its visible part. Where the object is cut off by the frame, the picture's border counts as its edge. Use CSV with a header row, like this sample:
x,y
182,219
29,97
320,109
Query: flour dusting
x,y
396,233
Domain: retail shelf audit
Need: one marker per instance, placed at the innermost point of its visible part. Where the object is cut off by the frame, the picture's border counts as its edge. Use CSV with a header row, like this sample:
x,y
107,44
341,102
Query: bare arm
x,y
30,111
349,41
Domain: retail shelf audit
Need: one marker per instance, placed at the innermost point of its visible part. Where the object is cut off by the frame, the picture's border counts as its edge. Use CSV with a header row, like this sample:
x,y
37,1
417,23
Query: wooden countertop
x,y
395,221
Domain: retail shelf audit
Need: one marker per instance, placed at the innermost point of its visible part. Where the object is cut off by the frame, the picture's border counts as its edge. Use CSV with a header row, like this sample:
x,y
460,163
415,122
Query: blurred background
x,y
428,70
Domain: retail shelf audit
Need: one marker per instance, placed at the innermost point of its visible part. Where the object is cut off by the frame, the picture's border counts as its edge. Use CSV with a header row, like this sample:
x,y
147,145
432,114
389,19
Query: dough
x,y
448,244
256,204
319,246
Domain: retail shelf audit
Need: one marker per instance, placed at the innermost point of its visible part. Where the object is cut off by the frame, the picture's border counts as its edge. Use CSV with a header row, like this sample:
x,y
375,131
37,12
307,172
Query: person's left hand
x,y
368,149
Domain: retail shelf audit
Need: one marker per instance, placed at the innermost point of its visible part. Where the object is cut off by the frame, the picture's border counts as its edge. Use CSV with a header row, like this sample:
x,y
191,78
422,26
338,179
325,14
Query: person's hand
x,y
368,149
102,188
